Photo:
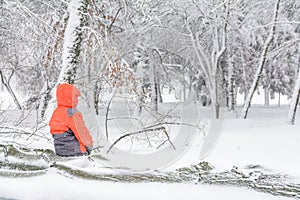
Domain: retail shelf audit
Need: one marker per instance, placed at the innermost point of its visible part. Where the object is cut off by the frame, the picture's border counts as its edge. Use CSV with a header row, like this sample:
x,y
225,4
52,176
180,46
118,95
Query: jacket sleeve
x,y
80,131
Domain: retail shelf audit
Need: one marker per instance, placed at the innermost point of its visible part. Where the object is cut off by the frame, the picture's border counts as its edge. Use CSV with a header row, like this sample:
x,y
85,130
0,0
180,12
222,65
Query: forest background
x,y
209,52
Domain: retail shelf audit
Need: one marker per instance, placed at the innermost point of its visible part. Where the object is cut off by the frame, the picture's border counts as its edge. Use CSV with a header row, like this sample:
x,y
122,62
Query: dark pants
x,y
66,144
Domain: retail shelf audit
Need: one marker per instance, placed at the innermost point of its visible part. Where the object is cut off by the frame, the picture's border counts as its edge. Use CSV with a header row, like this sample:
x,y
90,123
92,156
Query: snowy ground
x,y
54,186
263,140
275,146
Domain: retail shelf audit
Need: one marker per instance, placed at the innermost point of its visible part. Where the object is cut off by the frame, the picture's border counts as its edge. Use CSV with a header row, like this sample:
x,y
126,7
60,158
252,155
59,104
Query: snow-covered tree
x,y
262,61
210,52
187,45
72,40
23,37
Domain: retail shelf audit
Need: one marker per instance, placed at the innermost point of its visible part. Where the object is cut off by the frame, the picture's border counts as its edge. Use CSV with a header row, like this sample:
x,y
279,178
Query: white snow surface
x,y
264,139
273,145
54,186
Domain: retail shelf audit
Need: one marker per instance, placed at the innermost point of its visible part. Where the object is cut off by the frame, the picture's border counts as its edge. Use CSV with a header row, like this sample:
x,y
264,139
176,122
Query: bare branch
x,y
106,116
134,133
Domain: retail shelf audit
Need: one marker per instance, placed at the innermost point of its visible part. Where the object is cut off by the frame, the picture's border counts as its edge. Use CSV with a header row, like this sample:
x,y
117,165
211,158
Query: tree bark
x,y
71,47
153,81
45,98
262,62
267,97
97,89
294,102
72,41
231,89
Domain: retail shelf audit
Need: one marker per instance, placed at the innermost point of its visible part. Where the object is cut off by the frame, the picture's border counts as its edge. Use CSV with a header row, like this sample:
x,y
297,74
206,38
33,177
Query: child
x,y
71,137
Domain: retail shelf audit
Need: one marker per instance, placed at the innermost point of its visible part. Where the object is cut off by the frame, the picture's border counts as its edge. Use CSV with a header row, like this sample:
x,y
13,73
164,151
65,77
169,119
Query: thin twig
x,y
165,132
134,133
175,123
161,144
106,117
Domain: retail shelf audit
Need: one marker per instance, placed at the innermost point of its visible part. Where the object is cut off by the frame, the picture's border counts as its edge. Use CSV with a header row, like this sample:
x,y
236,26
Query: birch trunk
x,y
71,48
262,62
72,42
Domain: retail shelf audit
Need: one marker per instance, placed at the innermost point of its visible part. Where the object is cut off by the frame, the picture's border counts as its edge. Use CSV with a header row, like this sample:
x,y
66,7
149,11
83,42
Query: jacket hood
x,y
67,95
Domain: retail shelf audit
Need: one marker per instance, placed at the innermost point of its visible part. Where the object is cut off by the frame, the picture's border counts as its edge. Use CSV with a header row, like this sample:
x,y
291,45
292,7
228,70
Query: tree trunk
x,y
216,104
72,40
267,96
294,102
183,87
210,62
217,110
215,97
96,96
153,81
262,62
160,100
231,92
45,98
71,47
154,92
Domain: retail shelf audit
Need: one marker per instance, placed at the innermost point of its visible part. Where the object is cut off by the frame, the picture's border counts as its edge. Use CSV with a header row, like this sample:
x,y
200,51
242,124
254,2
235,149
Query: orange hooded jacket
x,y
66,117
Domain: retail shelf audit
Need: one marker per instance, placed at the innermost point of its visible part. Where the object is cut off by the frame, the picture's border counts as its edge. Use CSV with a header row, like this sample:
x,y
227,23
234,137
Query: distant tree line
x,y
214,49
